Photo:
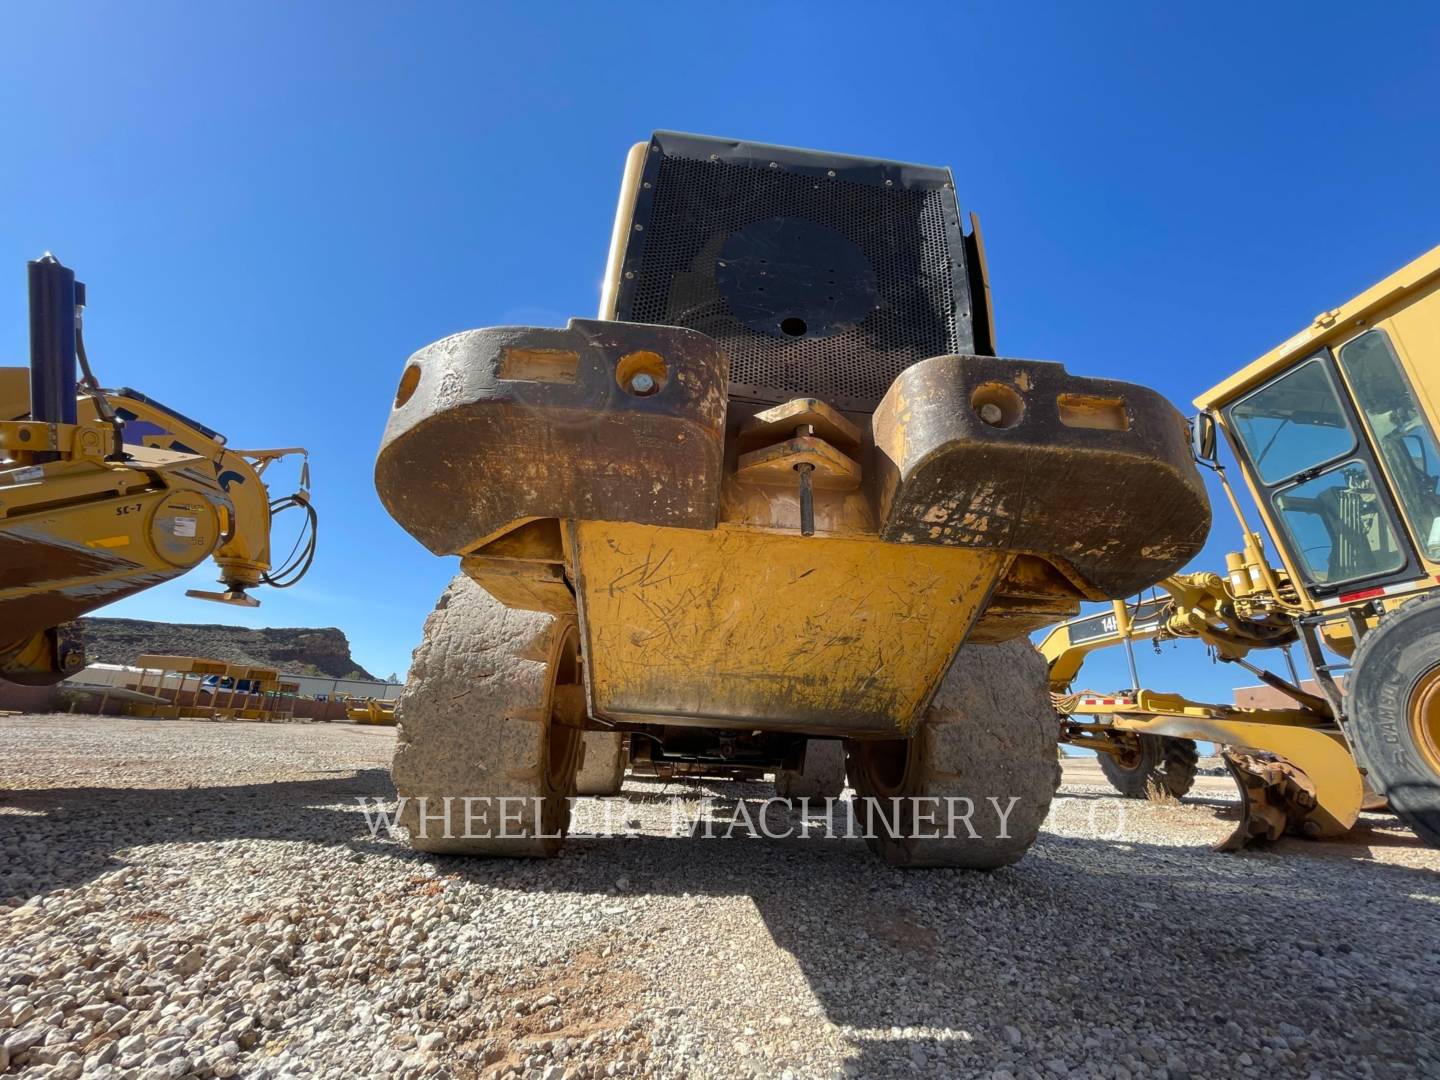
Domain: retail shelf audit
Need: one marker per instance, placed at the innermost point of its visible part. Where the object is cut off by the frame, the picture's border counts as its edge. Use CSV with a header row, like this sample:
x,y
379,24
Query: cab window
x,y
1401,431
1302,443
1293,424
1337,526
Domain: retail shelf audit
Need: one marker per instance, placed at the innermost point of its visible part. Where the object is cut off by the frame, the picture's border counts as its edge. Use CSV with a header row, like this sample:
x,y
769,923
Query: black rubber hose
x,y
302,553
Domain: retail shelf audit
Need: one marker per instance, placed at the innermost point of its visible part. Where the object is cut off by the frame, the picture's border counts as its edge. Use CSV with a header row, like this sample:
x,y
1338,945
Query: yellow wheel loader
x,y
780,494
1334,432
104,493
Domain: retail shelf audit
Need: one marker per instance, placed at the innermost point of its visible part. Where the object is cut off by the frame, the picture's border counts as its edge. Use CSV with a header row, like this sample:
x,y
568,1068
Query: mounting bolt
x,y
642,384
807,499
991,414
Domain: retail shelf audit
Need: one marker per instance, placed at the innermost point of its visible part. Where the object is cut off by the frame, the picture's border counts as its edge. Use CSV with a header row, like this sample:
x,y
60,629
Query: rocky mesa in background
x,y
297,650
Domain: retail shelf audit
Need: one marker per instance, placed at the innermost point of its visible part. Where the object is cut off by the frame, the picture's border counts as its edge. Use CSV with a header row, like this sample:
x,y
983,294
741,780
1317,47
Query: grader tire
x,y
1393,701
478,721
821,776
1162,769
989,738
602,765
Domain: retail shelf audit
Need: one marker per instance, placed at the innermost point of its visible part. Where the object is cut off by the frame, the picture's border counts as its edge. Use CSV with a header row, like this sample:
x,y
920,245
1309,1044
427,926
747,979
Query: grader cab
x,y
1334,432
780,493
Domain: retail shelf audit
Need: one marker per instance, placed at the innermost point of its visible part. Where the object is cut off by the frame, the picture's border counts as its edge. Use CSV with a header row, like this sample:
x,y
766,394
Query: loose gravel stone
x,y
205,899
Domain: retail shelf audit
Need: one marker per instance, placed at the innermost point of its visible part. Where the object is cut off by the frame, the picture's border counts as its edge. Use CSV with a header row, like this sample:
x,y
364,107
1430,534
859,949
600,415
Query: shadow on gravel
x,y
936,971
63,837
1186,939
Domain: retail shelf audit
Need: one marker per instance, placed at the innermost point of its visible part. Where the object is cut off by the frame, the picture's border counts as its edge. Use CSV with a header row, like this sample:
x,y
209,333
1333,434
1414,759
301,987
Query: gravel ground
x,y
206,899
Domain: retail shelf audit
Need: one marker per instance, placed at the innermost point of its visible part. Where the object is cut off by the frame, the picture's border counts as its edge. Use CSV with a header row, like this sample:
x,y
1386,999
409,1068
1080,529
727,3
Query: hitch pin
x,y
807,499
807,494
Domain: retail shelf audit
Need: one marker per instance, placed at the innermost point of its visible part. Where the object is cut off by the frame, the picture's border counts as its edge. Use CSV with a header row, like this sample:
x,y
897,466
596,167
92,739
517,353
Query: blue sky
x,y
274,205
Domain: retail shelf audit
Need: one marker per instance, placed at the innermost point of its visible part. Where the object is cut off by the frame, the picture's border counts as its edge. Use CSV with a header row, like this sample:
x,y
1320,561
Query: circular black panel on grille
x,y
790,278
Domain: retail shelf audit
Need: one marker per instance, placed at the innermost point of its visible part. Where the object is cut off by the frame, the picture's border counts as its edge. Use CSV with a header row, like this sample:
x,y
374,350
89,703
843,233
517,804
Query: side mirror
x,y
1202,437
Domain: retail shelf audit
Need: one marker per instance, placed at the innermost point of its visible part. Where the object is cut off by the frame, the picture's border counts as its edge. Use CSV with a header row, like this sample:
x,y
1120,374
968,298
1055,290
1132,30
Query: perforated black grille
x,y
697,204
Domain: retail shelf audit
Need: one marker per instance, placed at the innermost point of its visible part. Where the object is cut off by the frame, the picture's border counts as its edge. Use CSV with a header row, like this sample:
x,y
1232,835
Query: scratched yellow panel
x,y
734,627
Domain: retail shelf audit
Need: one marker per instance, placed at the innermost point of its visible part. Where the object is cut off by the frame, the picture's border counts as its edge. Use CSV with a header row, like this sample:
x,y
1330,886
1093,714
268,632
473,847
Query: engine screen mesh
x,y
698,204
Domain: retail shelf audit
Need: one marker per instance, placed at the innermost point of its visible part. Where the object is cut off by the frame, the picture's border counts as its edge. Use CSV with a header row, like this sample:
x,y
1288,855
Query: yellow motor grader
x,y
781,494
1334,432
104,493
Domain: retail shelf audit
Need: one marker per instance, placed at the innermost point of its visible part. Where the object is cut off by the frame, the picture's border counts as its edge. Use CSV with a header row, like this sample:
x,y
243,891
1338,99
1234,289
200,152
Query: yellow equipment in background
x,y
104,493
371,711
223,691
1293,768
1335,434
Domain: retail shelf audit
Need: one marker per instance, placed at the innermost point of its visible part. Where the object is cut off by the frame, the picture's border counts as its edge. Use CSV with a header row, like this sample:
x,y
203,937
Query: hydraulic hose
x,y
302,553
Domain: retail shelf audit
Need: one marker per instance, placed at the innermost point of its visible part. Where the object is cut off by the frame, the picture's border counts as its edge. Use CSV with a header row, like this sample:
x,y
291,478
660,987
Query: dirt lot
x,y
206,899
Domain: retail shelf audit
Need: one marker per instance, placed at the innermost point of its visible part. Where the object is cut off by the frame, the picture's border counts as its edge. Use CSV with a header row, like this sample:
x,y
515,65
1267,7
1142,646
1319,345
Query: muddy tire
x,y
1160,769
602,765
1393,705
822,776
987,739
477,723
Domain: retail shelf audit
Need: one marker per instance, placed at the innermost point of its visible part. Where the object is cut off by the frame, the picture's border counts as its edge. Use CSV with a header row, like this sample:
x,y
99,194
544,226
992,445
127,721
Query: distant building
x,y
324,688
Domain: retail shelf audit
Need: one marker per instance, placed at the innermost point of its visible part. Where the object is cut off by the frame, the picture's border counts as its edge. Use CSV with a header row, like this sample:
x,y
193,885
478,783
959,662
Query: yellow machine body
x,y
371,711
1375,358
741,557
1352,406
1319,794
82,526
1293,768
678,543
741,628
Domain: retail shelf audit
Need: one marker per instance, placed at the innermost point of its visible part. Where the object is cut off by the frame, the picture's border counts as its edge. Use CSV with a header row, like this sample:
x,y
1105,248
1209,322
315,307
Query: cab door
x,y
1392,370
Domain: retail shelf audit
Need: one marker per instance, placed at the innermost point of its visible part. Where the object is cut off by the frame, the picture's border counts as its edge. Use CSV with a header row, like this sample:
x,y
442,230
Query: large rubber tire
x,y
821,775
476,721
989,735
1162,769
1393,705
602,765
